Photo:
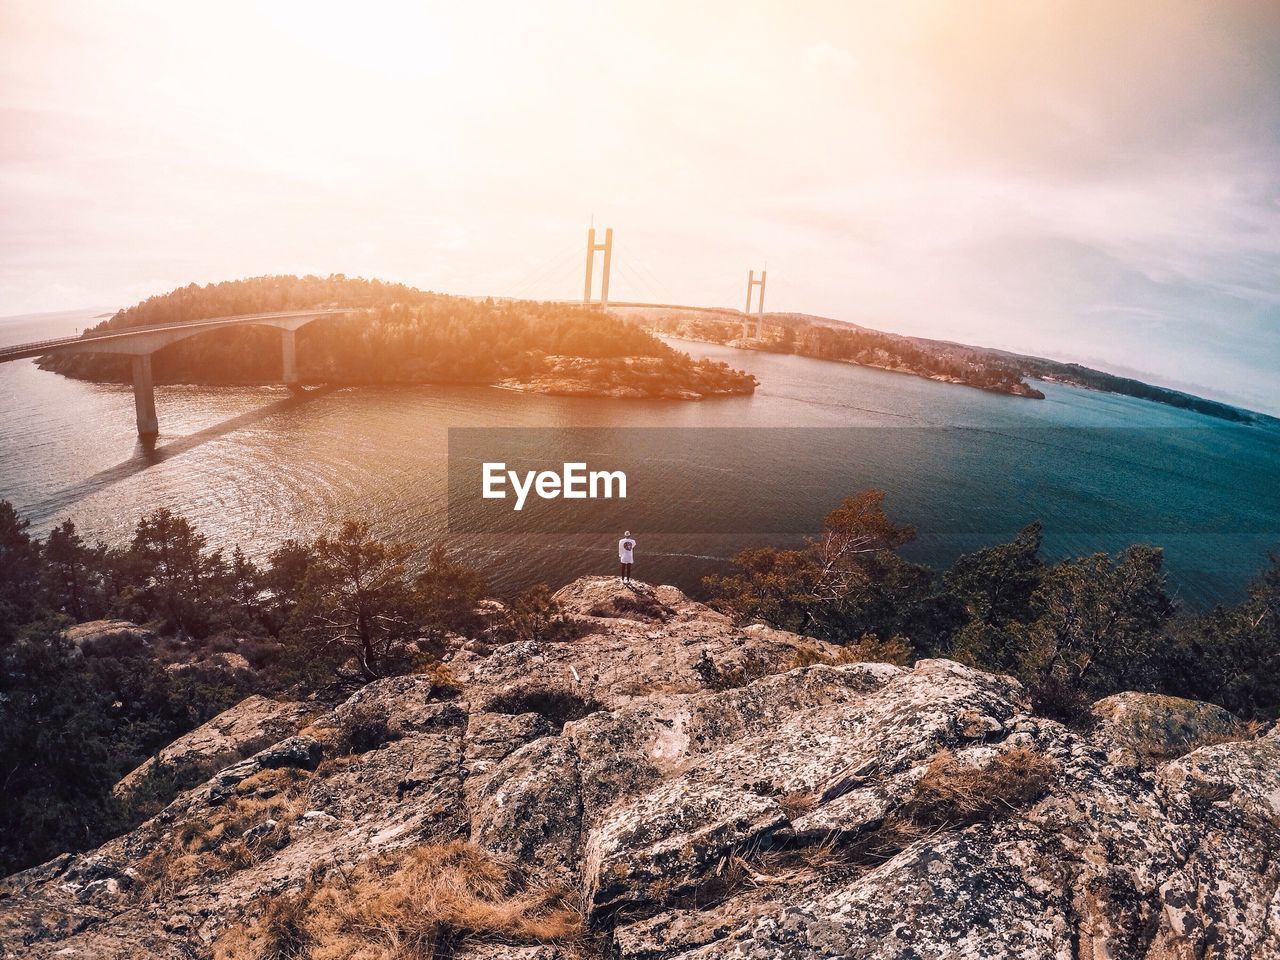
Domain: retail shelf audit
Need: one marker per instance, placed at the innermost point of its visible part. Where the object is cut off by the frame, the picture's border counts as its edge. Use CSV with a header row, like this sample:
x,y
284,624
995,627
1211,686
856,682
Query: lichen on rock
x,y
779,804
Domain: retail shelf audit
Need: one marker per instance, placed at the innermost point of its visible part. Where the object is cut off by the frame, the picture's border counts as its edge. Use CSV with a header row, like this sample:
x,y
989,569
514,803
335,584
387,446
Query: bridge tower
x,y
752,282
592,247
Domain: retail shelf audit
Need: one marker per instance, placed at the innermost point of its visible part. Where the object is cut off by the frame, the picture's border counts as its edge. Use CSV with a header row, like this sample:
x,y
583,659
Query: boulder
x,y
252,724
530,808
232,665
110,638
1161,722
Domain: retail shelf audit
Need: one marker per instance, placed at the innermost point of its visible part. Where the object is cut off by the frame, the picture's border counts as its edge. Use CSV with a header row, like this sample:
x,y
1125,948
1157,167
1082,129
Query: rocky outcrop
x,y
110,638
712,791
252,724
658,378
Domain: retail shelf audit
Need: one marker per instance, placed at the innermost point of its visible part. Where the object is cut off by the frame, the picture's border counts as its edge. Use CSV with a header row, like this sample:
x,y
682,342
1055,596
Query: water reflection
x,y
254,465
150,451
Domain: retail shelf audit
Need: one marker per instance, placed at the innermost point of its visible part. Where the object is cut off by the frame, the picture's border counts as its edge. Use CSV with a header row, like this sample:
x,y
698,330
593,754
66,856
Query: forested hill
x,y
401,334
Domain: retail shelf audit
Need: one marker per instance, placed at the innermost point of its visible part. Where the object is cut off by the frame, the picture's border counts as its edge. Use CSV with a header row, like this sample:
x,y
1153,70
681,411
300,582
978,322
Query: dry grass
x,y
222,841
735,676
824,857
642,606
797,802
757,665
444,684
338,763
950,794
809,656
953,793
868,649
421,904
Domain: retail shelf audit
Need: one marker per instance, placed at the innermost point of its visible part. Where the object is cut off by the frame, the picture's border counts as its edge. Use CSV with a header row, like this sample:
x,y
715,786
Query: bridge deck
x,y
38,348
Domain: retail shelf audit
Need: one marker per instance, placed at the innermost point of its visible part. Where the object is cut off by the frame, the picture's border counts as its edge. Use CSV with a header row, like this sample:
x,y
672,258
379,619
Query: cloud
x,y
827,61
1067,177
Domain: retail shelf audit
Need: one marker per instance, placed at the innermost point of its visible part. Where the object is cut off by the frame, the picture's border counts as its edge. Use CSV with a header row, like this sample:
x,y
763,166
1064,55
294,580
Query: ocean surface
x,y
255,465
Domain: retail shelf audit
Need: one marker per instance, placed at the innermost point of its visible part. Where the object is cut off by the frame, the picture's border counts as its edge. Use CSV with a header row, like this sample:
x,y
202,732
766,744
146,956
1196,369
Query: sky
x,y
1091,181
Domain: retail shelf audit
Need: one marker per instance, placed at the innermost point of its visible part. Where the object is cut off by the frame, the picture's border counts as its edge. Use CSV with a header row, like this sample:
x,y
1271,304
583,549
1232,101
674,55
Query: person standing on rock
x,y
626,555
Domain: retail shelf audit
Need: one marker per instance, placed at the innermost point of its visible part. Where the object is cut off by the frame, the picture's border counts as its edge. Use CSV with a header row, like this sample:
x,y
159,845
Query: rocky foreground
x,y
670,785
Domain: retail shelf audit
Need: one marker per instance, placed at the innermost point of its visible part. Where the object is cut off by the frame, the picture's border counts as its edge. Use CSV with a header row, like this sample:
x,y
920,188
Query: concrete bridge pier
x,y
144,396
289,357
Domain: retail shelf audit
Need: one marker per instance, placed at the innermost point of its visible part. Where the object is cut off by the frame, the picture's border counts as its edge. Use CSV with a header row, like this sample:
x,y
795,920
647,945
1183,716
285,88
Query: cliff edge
x,y
670,785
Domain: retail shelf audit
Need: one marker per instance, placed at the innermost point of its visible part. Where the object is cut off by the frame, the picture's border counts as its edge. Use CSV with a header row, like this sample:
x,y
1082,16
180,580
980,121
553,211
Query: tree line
x,y
1072,631
987,369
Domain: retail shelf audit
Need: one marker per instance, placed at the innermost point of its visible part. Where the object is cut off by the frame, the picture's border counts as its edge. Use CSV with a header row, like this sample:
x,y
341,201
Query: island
x,y
399,334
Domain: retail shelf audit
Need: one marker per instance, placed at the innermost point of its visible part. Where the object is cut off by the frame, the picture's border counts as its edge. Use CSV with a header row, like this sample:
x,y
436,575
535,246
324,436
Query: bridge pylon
x,y
288,357
144,396
752,283
592,247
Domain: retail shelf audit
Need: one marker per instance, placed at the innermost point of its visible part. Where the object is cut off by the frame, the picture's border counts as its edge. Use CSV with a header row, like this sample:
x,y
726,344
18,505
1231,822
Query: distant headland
x,y
985,368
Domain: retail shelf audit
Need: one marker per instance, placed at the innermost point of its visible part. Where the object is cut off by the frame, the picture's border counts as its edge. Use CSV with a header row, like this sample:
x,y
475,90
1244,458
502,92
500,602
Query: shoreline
x,y
558,385
936,378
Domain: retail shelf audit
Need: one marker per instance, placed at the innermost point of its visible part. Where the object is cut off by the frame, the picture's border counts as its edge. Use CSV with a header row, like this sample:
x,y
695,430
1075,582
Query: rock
x,y
625,377
530,808
110,638
619,659
771,740
709,791
252,724
231,664
1161,721
490,739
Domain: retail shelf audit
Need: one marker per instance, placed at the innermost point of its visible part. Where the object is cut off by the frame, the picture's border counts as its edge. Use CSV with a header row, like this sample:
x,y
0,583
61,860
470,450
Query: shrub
x,y
755,666
535,615
734,675
950,794
869,649
444,685
1056,699
365,727
556,706
155,790
419,904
